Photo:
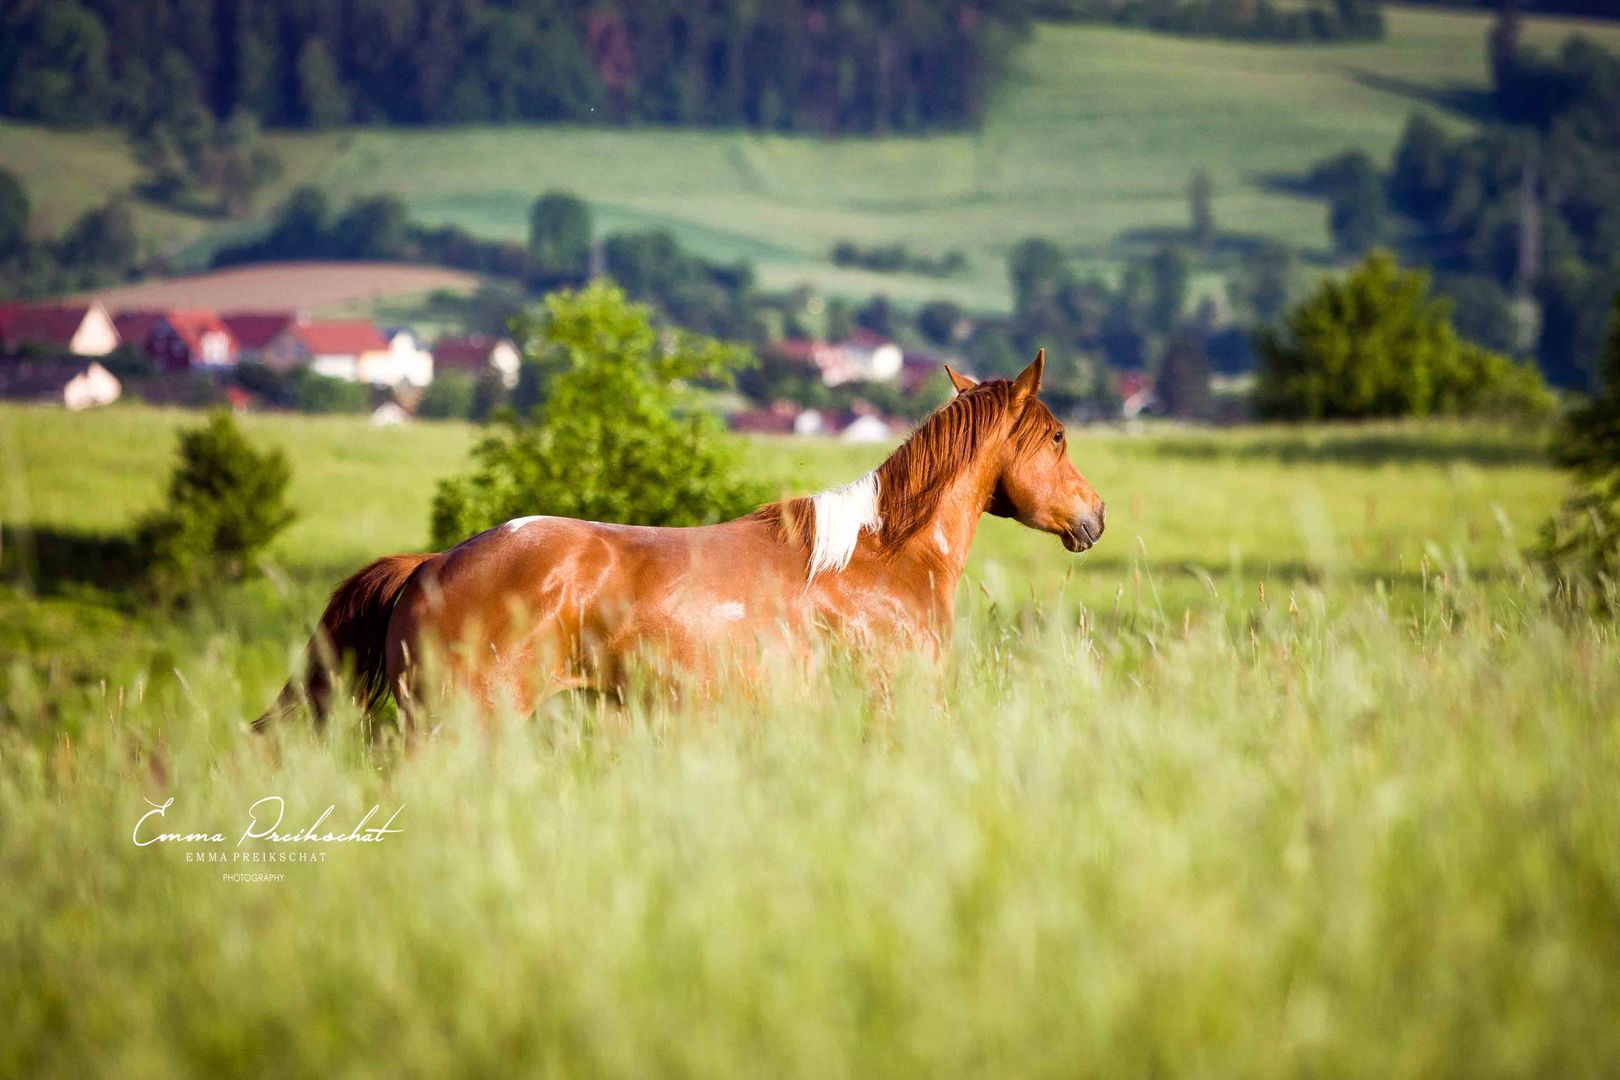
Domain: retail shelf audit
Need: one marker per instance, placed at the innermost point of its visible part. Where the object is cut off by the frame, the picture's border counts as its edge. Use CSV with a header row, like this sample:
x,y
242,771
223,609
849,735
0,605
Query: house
x,y
780,418
390,414
1137,394
340,348
179,340
863,357
477,353
185,340
264,336
859,423
872,358
407,363
74,384
81,329
135,327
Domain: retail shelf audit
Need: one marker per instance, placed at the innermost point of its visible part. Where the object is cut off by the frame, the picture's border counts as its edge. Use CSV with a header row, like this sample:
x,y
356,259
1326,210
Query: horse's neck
x,y
940,547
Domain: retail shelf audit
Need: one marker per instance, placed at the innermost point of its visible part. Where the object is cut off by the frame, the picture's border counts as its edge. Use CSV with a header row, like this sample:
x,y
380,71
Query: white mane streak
x,y
841,515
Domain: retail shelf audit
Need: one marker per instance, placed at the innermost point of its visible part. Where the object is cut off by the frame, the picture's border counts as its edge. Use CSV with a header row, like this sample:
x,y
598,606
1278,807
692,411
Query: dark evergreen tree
x,y
560,236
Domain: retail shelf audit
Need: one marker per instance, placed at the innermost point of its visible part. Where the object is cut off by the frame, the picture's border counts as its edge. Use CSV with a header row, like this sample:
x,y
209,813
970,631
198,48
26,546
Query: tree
x,y
103,241
226,503
1168,273
1376,344
1039,271
1419,173
14,214
1357,208
616,435
1201,208
938,320
58,74
1183,381
1266,281
1582,544
560,236
322,102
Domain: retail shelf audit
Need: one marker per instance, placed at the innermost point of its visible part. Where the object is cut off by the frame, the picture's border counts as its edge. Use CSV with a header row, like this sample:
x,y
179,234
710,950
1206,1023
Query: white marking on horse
x,y
517,523
841,515
940,542
731,610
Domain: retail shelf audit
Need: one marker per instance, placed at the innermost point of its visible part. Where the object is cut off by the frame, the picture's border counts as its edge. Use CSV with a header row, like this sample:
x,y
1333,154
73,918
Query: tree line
x,y
1521,220
800,65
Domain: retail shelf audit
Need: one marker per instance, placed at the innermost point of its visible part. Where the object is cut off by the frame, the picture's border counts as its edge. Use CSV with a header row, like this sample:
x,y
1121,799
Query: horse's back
x,y
543,603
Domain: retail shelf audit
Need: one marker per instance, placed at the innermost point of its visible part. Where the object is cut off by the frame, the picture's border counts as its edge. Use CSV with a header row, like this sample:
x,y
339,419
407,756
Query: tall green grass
x,y
1296,836
1296,775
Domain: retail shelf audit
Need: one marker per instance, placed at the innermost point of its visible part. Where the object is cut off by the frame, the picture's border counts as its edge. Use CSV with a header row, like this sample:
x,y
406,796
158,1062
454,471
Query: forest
x,y
792,65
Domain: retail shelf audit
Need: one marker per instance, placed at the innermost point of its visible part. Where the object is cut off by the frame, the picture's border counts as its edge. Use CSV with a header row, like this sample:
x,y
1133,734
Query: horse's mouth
x,y
1077,538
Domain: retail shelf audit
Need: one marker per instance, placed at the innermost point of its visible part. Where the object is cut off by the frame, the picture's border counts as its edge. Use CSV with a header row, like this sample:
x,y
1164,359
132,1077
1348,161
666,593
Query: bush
x,y
226,503
1375,344
449,397
616,435
1582,544
314,393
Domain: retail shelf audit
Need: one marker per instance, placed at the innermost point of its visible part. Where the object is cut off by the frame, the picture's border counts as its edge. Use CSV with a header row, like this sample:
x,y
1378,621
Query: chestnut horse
x,y
542,604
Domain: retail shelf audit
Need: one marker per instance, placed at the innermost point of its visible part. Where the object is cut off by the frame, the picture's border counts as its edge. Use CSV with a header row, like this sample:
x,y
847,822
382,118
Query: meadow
x,y
1091,141
1296,774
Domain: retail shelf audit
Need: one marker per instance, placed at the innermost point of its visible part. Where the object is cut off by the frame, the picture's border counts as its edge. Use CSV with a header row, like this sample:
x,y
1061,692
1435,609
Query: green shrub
x,y
616,435
1376,344
449,397
226,503
315,393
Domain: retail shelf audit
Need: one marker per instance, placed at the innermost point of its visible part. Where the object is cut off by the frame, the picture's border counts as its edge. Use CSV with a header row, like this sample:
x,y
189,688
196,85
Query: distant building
x,y
390,414
864,357
477,353
264,337
73,384
81,329
179,340
407,363
860,423
780,418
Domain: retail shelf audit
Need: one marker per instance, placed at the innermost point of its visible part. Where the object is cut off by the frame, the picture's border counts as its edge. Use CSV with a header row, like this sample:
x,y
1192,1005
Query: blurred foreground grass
x,y
1296,775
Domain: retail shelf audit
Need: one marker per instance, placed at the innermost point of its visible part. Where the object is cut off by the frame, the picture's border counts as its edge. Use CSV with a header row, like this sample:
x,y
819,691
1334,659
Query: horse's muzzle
x,y
1084,531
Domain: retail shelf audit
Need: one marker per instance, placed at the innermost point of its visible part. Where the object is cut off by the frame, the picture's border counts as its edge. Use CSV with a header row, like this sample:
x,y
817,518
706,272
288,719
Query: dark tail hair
x,y
351,638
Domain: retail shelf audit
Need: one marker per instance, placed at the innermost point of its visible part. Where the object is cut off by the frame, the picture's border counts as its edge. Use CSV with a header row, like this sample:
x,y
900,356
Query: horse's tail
x,y
351,638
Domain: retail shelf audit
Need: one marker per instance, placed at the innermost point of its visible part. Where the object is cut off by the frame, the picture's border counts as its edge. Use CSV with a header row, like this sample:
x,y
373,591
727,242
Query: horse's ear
x,y
959,380
1028,383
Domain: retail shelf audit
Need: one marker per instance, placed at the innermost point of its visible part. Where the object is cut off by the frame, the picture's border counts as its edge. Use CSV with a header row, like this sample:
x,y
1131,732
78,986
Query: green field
x,y
1296,774
1091,141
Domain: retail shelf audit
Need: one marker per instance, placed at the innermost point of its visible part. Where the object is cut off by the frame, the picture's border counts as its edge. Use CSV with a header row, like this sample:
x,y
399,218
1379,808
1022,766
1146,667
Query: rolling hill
x,y
1091,141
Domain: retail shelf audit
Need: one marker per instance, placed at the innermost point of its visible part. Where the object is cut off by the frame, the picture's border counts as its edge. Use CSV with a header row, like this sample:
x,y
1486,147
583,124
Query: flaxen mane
x,y
911,481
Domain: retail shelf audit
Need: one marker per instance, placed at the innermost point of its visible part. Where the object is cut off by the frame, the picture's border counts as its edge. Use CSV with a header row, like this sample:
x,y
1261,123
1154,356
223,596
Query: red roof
x,y
341,337
23,323
256,329
470,353
135,327
191,326
800,349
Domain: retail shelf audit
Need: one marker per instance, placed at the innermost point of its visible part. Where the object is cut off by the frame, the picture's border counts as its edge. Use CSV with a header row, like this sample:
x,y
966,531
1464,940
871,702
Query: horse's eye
x,y
1057,436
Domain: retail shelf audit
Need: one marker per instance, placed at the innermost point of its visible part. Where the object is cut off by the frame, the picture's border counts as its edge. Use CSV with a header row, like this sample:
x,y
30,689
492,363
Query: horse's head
x,y
1036,483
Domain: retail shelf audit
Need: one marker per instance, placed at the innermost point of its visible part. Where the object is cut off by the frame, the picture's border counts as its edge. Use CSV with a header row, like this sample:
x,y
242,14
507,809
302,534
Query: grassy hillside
x,y
1294,775
1092,141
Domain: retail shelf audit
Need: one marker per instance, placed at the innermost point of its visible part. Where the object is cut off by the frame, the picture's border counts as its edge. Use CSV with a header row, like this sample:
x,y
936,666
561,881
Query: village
x,y
80,355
